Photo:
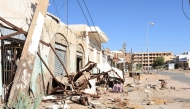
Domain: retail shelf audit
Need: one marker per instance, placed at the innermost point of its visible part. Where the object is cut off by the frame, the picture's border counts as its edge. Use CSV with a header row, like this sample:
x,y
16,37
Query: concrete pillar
x,y
24,71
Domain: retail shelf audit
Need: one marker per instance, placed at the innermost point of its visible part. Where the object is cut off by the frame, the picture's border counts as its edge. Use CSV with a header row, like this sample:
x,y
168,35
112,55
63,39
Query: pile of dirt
x,y
136,107
126,105
159,101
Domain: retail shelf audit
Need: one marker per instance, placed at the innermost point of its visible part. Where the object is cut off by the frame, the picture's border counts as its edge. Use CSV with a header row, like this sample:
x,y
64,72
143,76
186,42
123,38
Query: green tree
x,y
139,66
159,61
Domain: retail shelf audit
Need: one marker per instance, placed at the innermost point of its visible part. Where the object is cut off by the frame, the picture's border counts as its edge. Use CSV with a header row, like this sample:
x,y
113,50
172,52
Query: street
x,y
174,76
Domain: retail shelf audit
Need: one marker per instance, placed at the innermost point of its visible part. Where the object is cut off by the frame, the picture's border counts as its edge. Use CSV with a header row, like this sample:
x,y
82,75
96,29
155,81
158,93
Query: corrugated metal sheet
x,y
7,31
60,47
61,52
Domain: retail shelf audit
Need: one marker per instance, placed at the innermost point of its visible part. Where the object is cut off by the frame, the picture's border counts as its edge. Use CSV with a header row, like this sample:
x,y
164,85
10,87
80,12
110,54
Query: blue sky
x,y
126,21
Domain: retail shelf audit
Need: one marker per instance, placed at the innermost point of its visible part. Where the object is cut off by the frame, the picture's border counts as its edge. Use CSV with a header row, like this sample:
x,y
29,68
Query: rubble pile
x,y
84,86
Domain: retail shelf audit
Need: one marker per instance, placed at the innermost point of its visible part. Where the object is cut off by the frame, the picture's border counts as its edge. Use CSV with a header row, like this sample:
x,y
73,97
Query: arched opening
x,y
61,49
79,57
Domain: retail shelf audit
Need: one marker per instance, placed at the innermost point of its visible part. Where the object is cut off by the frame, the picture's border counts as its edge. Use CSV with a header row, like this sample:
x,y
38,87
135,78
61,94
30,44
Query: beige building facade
x,y
147,60
75,45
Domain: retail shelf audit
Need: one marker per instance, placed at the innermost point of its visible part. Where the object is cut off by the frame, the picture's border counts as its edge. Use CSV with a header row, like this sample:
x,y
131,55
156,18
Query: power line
x,y
64,3
67,17
92,20
29,13
55,6
87,21
184,11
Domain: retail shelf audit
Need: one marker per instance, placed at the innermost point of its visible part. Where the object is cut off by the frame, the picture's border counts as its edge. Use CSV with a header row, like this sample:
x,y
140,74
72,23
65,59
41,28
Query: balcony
x,y
95,32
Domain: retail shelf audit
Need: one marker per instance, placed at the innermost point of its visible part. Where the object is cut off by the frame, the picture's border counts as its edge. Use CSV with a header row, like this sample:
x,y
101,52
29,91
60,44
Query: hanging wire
x,y
184,11
92,21
87,21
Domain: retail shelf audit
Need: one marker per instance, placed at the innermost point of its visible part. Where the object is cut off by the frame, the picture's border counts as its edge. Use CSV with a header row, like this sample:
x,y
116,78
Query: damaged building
x,y
41,55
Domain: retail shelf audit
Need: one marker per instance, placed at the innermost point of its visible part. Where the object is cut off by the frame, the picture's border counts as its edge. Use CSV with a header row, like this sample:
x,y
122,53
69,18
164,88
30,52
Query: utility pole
x,y
131,60
24,70
143,60
124,51
124,47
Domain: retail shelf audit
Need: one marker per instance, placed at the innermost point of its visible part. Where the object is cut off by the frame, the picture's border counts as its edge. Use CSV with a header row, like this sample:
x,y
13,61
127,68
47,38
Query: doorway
x,y
79,61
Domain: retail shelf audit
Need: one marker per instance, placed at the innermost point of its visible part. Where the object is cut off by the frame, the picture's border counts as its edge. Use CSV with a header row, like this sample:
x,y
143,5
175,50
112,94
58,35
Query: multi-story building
x,y
146,60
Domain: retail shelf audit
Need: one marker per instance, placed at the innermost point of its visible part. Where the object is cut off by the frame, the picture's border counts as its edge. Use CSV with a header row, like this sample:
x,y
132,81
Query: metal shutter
x,y
59,70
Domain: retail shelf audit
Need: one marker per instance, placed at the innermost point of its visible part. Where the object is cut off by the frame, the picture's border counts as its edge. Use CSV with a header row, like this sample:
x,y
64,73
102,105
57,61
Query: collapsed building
x,y
41,55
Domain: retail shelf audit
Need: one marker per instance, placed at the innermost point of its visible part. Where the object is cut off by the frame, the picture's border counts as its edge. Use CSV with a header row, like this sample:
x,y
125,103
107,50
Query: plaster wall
x,y
18,12
59,32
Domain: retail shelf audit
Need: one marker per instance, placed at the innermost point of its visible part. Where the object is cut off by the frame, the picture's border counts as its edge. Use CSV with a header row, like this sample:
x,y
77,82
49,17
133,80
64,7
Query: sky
x,y
125,21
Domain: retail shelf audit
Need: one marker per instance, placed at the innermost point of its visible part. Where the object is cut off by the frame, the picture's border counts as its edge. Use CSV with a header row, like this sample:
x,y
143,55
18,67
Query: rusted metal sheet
x,y
49,45
13,26
51,72
6,31
87,68
10,35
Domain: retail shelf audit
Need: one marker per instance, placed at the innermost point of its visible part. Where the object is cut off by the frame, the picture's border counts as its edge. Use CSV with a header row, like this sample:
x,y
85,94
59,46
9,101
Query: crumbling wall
x,y
18,12
55,31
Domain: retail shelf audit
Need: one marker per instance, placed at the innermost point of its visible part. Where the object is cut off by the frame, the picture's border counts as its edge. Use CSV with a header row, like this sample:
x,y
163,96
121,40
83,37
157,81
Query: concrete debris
x,y
66,106
83,87
148,103
49,97
156,88
147,91
92,90
95,103
117,99
62,106
68,102
54,106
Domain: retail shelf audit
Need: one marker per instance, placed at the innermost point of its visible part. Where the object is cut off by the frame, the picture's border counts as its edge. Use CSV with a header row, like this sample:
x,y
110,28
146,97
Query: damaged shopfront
x,y
48,64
